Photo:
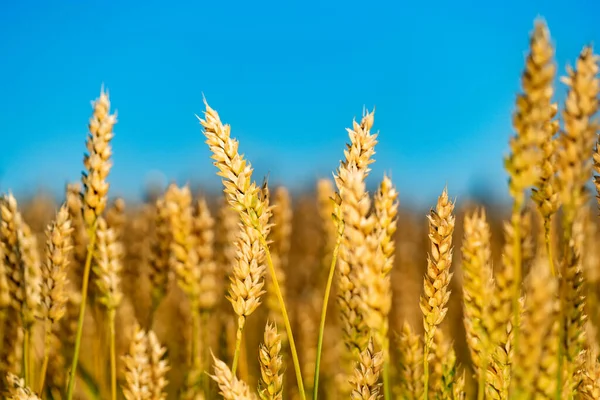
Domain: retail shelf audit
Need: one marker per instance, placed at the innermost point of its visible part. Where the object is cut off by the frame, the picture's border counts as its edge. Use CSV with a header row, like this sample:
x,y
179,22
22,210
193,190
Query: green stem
x,y
26,358
195,337
238,344
47,332
426,372
113,355
387,393
324,312
84,294
286,319
205,352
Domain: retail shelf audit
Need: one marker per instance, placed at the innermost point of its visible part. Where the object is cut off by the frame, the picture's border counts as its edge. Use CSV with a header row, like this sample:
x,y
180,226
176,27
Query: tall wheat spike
x,y
574,171
253,207
436,292
539,82
354,253
54,279
97,163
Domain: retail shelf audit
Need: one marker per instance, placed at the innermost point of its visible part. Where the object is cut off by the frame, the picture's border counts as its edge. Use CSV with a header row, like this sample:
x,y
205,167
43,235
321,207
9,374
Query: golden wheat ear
x,y
365,381
271,365
137,367
410,349
230,387
159,366
477,286
436,292
540,315
17,390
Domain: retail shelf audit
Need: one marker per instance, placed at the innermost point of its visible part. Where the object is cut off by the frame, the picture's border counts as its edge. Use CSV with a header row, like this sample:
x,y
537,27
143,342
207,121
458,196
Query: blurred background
x,y
288,76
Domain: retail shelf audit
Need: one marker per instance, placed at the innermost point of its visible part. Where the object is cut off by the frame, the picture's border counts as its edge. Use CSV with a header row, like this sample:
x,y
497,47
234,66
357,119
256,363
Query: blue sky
x,y
288,76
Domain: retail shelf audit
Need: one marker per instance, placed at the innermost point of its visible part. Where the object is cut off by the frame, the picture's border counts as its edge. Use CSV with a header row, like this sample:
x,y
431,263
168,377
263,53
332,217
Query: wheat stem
x,y
47,334
195,338
26,358
84,294
205,360
238,343
113,355
286,319
426,371
387,394
324,310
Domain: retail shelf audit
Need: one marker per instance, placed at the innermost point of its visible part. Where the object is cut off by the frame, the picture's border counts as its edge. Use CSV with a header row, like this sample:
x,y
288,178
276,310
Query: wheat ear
x,y
54,280
411,363
253,205
137,368
365,381
107,270
231,388
376,290
94,197
539,81
540,314
574,170
477,285
271,365
436,291
24,273
18,390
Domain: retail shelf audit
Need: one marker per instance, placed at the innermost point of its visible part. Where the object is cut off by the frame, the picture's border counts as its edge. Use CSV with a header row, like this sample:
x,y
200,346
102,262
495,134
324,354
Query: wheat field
x,y
334,294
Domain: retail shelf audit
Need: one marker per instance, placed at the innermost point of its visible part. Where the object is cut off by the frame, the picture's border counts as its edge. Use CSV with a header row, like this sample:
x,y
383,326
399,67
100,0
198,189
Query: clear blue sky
x,y
288,76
